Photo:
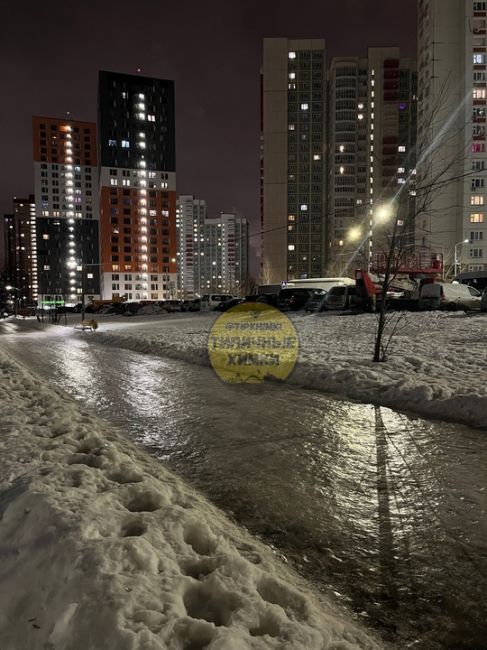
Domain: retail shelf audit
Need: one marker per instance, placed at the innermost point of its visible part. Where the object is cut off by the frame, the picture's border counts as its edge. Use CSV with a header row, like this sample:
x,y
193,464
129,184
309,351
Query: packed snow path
x,y
386,511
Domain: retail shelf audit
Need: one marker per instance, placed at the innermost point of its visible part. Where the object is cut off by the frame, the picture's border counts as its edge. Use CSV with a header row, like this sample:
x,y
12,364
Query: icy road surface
x,y
385,511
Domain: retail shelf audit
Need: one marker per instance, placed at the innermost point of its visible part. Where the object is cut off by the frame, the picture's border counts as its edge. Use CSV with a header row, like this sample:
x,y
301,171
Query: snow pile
x,y
148,310
437,365
102,548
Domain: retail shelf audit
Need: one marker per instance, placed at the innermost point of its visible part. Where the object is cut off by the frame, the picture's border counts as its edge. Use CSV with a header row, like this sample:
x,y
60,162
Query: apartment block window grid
x,y
306,110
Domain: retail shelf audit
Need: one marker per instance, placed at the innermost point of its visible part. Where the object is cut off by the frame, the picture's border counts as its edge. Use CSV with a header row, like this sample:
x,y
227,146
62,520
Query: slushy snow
x,y
102,548
437,365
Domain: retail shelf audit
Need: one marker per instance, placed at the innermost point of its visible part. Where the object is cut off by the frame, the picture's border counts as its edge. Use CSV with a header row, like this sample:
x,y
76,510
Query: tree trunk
x,y
385,287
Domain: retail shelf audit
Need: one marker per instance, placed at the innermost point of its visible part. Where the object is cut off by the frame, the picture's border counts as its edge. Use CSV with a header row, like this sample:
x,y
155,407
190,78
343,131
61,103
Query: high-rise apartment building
x,y
225,265
336,144
66,207
293,166
452,156
191,217
20,249
137,186
9,247
371,162
213,252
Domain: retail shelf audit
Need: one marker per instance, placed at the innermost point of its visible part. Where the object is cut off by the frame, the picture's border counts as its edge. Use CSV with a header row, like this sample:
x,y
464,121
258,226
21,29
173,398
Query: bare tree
x,y
265,271
398,241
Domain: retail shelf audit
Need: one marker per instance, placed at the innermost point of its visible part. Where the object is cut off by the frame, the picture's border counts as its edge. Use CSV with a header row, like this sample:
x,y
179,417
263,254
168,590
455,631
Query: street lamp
x,y
384,213
458,266
10,287
354,234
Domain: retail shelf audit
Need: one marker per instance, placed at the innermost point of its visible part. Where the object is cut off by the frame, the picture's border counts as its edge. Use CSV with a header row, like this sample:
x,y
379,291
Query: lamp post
x,y
458,266
351,237
10,287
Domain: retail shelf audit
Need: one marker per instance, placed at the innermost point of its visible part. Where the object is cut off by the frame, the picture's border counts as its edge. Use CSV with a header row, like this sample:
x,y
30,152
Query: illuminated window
x,y
304,107
290,247
476,200
292,75
479,93
291,55
401,148
125,144
477,217
479,59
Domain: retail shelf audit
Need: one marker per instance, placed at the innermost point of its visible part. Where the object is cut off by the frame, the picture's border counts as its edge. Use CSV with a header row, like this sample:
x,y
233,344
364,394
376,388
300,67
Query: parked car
x,y
317,301
294,298
211,300
450,296
191,305
265,298
173,305
228,304
339,297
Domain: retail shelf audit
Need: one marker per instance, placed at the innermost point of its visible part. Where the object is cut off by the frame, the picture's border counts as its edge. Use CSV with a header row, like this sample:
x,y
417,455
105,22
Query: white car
x,y
449,295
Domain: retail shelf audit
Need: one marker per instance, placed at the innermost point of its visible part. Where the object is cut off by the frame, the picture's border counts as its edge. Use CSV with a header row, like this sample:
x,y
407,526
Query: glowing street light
x,y
384,213
354,234
457,261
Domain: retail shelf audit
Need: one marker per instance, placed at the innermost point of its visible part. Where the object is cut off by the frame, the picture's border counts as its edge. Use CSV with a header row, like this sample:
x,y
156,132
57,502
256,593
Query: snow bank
x,y
437,365
102,548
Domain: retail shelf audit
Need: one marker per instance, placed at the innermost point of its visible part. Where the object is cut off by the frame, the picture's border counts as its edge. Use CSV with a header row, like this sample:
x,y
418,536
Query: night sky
x,y
51,52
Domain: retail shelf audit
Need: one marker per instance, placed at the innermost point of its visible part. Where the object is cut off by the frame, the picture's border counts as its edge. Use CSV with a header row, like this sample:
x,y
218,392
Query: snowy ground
x,y
102,548
437,365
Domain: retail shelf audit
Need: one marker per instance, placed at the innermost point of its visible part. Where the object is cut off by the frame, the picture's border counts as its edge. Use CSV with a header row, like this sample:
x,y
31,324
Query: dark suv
x,y
294,298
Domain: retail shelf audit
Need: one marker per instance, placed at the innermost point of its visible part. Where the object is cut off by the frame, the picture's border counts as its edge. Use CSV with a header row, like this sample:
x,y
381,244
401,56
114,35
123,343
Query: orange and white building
x,y
137,175
66,210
